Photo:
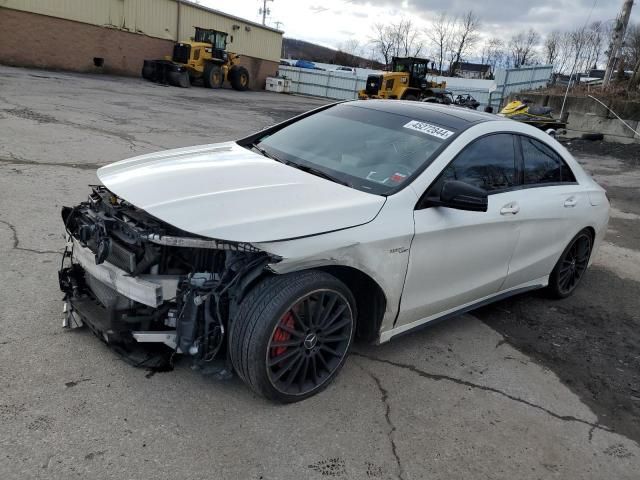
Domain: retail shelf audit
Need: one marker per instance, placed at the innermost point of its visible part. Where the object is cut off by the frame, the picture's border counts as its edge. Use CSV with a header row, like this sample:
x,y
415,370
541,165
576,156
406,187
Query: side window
x,y
488,163
543,165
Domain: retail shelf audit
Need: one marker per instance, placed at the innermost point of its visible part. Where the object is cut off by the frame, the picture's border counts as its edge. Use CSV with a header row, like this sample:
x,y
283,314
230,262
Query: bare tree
x,y
522,48
349,53
598,31
384,41
552,47
565,53
407,39
578,40
632,44
585,46
400,39
465,38
576,50
631,53
351,47
441,35
493,53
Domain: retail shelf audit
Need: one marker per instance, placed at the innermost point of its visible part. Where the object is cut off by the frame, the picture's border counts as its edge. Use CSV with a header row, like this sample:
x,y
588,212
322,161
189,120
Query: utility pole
x,y
617,38
264,11
277,24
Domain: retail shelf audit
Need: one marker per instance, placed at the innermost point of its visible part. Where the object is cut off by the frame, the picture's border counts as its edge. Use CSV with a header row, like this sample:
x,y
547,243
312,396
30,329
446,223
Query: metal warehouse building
x,y
115,36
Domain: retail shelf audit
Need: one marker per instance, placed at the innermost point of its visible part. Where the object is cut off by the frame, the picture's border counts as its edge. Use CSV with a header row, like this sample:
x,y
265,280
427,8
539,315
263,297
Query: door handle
x,y
510,209
570,202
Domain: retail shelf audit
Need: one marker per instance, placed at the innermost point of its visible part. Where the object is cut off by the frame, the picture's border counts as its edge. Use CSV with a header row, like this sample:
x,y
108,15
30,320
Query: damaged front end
x,y
133,279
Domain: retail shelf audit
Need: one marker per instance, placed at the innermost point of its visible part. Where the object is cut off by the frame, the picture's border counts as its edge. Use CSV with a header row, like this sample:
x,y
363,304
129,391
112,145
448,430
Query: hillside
x,y
299,49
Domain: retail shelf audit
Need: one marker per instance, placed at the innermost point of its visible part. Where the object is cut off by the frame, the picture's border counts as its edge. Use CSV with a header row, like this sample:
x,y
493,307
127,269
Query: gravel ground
x,y
533,392
622,151
592,339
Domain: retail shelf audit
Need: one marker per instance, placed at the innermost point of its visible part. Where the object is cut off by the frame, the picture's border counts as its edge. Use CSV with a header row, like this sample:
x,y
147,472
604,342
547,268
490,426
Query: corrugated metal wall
x,y
156,18
159,18
514,80
248,38
345,85
107,12
320,83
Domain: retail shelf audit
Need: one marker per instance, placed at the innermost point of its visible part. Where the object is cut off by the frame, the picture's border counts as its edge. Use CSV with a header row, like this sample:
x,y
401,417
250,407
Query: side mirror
x,y
461,196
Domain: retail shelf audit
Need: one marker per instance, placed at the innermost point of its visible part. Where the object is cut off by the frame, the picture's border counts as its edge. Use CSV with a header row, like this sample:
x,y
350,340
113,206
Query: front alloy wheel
x,y
309,342
292,333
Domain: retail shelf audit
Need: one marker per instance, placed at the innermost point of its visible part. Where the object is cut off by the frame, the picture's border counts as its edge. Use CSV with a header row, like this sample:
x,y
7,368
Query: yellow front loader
x,y
406,81
204,58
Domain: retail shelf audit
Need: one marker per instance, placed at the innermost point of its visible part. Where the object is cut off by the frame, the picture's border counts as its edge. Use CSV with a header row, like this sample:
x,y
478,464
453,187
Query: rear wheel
x,y
239,78
410,96
212,76
570,269
292,333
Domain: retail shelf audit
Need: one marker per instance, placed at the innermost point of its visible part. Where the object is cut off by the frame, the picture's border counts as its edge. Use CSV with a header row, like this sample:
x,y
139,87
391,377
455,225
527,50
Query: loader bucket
x,y
166,72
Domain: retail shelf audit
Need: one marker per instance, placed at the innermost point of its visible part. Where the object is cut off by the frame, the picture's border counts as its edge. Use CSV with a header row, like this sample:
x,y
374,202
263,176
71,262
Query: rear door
x,y
459,257
548,201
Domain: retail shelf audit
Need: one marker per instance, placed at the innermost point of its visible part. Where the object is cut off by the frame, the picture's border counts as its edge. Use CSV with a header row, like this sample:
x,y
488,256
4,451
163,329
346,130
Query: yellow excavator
x,y
204,58
406,81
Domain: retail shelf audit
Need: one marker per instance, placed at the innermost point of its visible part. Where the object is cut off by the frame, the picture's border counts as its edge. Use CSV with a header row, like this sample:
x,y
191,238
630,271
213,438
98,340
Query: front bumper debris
x,y
150,290
135,281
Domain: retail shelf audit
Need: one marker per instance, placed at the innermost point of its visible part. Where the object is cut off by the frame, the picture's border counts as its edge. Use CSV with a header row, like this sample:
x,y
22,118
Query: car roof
x,y
457,118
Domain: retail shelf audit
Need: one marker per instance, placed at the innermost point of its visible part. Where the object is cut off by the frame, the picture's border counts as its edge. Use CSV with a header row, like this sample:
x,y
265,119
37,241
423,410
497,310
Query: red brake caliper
x,y
281,335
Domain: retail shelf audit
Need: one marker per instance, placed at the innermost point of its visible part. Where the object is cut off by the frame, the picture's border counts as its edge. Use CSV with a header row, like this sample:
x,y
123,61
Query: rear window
x,y
542,165
373,151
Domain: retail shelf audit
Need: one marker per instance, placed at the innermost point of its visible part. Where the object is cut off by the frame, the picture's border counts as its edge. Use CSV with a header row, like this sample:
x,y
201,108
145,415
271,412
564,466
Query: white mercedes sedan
x,y
367,219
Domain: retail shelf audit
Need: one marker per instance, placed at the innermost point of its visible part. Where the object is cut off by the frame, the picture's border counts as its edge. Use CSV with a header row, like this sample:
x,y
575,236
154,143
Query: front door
x,y
460,257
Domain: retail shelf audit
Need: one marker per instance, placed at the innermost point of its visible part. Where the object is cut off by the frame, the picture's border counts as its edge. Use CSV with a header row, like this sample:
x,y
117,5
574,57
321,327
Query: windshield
x,y
367,149
217,39
220,41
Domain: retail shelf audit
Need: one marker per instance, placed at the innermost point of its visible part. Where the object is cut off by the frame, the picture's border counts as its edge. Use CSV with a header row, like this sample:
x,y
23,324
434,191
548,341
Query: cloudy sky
x,y
331,22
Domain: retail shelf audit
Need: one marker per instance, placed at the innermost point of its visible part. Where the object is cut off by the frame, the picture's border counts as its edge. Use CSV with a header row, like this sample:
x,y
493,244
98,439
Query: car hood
x,y
227,192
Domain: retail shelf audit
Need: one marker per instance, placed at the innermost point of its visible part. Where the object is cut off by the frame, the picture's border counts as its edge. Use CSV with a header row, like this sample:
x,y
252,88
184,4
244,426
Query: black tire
x,y
239,78
147,71
301,318
571,266
594,137
410,97
212,76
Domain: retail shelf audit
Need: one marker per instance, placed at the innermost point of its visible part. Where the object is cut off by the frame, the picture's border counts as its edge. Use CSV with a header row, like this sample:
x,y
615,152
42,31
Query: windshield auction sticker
x,y
429,129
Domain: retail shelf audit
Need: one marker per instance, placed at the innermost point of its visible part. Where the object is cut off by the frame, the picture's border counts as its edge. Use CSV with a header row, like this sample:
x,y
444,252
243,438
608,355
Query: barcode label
x,y
429,129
